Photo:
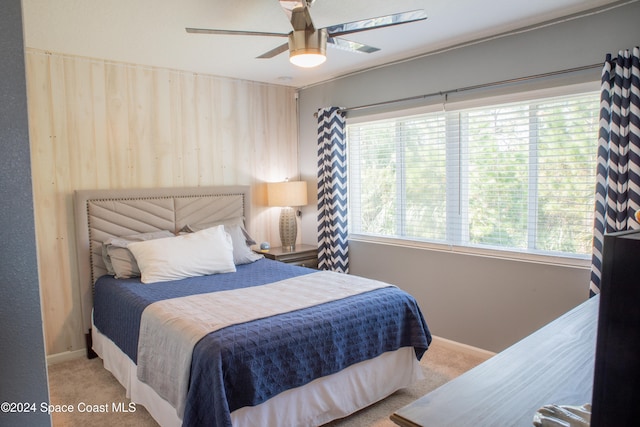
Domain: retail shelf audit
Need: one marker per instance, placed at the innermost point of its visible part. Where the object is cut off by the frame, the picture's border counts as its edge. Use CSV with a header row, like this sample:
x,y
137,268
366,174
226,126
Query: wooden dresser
x,y
554,365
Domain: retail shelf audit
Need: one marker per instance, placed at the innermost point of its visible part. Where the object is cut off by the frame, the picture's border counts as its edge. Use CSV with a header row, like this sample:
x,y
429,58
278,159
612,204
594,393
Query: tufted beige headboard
x,y
100,214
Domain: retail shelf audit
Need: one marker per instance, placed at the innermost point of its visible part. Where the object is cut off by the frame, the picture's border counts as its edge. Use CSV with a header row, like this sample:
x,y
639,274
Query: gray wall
x,y
23,376
485,302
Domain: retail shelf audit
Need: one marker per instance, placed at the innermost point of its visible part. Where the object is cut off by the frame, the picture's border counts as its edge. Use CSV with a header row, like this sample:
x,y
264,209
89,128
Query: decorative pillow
x,y
119,260
209,251
242,253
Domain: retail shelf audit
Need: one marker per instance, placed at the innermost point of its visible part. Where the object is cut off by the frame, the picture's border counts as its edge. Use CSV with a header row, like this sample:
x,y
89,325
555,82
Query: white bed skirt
x,y
322,400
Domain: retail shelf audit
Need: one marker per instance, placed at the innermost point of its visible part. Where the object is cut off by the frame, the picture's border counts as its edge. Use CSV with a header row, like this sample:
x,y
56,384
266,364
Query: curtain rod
x,y
475,87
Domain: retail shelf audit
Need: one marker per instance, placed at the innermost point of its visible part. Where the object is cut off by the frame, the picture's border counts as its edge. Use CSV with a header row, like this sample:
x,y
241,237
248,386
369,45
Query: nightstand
x,y
303,255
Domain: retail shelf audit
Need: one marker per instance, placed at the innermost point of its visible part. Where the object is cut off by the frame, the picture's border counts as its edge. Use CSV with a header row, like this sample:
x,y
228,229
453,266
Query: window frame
x,y
454,210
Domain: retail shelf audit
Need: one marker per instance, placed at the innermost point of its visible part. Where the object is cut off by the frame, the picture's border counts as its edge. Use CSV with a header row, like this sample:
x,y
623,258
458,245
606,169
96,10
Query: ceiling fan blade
x,y
233,32
349,45
379,22
273,52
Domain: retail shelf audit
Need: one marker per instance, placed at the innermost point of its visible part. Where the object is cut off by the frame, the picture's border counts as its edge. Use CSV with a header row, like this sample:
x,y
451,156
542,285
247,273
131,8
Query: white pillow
x,y
209,251
242,253
119,260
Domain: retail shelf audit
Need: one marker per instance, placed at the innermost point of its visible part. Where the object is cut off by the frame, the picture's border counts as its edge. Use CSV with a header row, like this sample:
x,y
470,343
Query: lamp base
x,y
288,229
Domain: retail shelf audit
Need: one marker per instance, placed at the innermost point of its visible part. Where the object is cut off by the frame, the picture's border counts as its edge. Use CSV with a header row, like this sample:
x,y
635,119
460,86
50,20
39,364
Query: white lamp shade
x,y
289,193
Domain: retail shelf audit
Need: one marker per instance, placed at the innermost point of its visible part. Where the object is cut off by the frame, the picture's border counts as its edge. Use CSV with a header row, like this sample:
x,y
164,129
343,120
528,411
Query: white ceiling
x,y
152,32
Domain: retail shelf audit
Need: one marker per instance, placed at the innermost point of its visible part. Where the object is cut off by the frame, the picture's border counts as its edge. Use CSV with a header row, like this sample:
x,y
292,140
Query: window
x,y
517,177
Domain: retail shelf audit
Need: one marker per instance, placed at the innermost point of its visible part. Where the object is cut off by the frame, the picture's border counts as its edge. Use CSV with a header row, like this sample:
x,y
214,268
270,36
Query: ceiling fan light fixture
x,y
307,48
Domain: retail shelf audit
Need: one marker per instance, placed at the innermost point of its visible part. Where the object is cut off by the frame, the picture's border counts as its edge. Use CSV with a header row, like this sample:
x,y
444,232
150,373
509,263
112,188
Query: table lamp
x,y
287,195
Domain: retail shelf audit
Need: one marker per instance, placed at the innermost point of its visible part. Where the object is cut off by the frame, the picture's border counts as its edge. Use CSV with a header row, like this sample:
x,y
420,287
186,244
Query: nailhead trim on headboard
x,y
118,214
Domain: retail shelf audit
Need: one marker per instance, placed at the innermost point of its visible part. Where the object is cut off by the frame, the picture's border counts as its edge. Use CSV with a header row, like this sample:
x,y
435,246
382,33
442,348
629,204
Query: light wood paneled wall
x,y
98,124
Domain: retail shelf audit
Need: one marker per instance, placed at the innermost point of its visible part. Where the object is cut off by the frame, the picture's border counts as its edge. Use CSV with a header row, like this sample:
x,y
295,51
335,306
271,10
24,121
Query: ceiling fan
x,y
307,44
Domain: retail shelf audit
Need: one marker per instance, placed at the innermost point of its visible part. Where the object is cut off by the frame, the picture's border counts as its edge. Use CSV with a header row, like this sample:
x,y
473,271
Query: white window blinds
x,y
516,176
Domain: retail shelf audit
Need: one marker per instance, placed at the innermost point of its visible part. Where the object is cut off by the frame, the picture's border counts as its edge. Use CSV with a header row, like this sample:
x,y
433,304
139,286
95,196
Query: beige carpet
x,y
85,384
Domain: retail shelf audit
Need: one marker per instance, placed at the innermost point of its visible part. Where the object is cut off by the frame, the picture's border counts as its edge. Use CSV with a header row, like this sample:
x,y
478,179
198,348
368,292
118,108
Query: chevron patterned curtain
x,y
333,250
618,181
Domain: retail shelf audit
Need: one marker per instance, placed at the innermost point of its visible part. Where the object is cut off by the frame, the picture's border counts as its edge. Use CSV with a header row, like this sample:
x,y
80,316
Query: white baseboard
x,y
464,348
52,359
443,342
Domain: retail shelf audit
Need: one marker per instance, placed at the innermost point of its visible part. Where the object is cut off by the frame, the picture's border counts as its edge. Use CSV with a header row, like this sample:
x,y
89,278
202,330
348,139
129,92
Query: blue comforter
x,y
246,364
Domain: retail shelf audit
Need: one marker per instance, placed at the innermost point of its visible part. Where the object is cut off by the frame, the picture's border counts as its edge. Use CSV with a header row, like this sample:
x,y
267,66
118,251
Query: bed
x,y
221,336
